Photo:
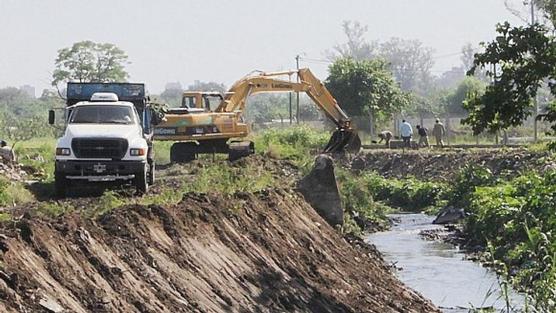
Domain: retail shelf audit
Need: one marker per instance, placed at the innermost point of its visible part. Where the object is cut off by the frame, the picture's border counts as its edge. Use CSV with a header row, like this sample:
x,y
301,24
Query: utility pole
x,y
290,94
297,92
535,122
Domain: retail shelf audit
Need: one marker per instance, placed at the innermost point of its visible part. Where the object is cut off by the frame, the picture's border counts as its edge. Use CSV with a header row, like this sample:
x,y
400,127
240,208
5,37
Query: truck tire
x,y
152,171
141,180
60,185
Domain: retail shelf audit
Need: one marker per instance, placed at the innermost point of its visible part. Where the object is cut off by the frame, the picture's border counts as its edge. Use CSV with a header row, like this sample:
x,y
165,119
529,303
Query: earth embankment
x,y
437,164
267,251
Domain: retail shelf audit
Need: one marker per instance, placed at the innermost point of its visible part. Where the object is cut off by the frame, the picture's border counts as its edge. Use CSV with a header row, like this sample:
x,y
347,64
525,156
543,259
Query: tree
x,y
518,62
356,47
365,88
410,62
206,86
172,96
467,56
548,9
263,108
468,87
87,61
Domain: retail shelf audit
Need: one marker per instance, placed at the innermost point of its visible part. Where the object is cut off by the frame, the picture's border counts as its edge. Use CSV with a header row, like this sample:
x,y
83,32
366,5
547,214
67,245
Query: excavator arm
x,y
344,138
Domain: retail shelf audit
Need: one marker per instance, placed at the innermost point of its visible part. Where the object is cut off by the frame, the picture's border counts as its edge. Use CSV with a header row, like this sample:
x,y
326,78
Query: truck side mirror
x,y
51,117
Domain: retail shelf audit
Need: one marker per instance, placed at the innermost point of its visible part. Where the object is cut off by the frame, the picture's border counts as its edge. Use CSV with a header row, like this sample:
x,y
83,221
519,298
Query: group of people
x,y
406,133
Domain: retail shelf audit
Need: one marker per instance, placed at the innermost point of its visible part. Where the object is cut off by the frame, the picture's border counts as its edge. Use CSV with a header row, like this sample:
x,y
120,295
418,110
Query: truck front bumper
x,y
99,170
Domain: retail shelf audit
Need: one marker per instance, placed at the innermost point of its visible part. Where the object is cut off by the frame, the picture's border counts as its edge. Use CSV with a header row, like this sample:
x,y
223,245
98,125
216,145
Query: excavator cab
x,y
206,100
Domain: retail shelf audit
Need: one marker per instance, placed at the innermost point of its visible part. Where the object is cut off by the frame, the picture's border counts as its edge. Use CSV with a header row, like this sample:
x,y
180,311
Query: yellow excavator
x,y
209,122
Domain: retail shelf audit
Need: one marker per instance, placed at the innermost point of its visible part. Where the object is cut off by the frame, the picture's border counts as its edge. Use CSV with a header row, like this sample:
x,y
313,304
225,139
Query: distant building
x,y
173,86
29,90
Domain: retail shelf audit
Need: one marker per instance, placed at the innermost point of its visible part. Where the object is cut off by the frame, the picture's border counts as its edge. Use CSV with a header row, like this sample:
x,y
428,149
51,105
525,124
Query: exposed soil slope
x,y
264,252
445,164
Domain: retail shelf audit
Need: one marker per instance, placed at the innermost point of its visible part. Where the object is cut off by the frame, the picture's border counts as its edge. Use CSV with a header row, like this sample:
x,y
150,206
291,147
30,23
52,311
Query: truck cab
x,y
107,137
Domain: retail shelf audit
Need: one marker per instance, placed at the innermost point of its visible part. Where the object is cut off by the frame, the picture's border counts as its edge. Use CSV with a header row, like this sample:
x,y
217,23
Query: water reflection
x,y
438,270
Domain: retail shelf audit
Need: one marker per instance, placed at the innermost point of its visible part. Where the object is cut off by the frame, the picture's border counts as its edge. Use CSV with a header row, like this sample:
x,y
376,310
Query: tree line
x,y
375,79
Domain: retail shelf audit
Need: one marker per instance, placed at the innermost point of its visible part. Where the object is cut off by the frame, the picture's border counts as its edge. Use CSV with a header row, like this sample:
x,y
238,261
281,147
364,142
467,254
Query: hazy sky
x,y
218,40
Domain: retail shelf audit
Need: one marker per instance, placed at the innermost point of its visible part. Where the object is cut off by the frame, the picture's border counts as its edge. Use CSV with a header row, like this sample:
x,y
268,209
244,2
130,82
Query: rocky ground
x,y
267,251
12,170
444,164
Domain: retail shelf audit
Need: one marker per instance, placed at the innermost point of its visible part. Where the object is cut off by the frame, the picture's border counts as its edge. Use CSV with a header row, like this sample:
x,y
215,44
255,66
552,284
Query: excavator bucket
x,y
343,140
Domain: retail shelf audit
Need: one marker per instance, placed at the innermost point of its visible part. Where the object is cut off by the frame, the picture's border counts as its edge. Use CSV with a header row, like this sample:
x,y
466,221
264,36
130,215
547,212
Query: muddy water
x,y
437,270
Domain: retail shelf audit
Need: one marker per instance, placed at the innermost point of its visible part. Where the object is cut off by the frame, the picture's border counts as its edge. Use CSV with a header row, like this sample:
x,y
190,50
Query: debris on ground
x,y
452,234
11,170
449,215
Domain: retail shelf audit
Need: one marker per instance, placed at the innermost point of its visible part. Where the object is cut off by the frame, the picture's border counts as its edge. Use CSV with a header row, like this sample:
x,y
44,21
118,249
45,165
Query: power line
x,y
447,55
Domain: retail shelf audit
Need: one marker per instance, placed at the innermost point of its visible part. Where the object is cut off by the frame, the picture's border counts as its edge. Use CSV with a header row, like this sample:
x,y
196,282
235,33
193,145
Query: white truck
x,y
107,136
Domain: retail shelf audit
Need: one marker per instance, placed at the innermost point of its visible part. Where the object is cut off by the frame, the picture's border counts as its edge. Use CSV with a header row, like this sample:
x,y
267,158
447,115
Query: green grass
x,y
13,193
38,153
293,143
54,209
5,217
162,151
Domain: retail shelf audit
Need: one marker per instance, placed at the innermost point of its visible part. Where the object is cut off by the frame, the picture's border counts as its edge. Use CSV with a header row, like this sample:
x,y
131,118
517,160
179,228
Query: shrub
x,y
518,219
293,142
469,177
407,194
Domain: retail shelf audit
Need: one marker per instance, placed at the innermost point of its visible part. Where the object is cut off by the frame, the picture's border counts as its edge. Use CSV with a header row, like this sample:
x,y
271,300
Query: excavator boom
x,y
345,137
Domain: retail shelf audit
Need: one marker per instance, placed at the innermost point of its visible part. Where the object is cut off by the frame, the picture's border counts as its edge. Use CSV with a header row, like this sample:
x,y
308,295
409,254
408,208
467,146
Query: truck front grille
x,y
99,148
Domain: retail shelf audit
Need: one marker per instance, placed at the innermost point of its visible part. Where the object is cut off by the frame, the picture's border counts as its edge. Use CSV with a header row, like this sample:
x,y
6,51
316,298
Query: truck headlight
x,y
136,152
63,151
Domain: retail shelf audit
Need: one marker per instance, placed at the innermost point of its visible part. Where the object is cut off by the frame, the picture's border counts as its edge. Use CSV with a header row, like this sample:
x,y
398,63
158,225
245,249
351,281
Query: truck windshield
x,y
102,114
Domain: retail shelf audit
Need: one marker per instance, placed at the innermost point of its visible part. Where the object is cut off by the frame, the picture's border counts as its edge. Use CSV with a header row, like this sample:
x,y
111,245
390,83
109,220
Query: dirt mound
x,y
443,165
263,252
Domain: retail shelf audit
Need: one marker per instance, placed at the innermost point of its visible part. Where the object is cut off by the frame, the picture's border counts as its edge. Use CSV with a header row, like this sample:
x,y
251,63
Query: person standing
x,y
438,132
423,136
406,131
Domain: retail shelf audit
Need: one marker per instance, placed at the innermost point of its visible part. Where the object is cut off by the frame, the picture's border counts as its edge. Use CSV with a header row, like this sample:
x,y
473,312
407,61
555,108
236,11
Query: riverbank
x,y
438,270
509,197
444,164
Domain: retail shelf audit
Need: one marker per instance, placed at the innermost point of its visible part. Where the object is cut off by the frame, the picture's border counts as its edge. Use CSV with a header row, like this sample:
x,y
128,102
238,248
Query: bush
x,y
517,219
293,142
407,194
468,178
358,198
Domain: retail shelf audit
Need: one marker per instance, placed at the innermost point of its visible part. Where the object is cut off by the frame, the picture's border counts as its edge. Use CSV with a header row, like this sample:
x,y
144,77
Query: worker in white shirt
x,y
406,131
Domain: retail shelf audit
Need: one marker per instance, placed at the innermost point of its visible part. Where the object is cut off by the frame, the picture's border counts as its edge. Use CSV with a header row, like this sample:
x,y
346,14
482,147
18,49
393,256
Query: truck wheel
x,y
60,185
152,167
141,180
